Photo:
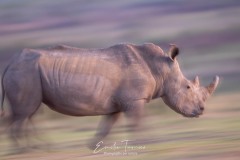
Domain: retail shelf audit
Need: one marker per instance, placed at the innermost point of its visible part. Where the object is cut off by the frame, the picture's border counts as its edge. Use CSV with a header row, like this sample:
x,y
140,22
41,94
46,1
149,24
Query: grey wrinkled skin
x,y
108,81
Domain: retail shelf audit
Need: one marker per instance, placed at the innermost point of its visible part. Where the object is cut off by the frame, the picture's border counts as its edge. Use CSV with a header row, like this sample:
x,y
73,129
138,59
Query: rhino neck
x,y
158,92
172,78
160,71
156,63
165,74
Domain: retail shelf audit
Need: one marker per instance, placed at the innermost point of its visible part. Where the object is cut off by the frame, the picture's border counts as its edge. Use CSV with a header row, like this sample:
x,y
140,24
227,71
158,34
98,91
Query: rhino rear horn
x,y
213,85
173,51
196,81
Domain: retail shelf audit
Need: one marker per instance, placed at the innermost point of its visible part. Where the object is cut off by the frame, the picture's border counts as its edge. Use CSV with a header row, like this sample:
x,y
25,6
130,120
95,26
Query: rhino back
x,y
97,74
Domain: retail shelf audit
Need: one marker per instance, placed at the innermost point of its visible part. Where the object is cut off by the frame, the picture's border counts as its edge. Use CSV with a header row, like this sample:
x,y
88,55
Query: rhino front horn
x,y
213,85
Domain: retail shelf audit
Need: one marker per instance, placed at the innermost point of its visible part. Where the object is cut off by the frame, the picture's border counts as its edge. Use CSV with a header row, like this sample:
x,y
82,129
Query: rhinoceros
x,y
107,81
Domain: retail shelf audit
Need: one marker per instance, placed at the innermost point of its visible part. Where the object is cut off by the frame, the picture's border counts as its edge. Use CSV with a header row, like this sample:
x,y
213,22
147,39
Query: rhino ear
x,y
173,52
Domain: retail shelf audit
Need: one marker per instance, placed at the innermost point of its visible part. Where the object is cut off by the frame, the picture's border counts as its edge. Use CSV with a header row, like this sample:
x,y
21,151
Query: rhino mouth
x,y
193,114
185,111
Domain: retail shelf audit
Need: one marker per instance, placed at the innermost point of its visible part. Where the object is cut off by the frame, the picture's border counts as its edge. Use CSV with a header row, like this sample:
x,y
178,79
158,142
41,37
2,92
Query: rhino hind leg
x,y
16,134
20,131
24,96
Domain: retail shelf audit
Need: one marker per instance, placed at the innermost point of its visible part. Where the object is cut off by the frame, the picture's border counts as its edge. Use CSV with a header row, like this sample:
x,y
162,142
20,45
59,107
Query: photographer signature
x,y
117,146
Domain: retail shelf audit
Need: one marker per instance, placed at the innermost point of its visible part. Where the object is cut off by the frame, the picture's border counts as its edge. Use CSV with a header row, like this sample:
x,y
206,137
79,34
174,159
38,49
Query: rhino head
x,y
184,96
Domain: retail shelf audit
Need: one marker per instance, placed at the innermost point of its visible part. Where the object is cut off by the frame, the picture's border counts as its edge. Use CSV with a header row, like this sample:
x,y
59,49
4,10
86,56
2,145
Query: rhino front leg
x,y
104,128
135,112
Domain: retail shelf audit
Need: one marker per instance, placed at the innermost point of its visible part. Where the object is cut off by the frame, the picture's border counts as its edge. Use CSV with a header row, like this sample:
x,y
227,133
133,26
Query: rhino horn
x,y
196,81
213,85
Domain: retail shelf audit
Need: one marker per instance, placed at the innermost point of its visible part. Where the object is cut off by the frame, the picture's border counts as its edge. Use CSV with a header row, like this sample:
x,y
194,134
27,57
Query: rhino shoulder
x,y
149,48
121,46
153,48
61,47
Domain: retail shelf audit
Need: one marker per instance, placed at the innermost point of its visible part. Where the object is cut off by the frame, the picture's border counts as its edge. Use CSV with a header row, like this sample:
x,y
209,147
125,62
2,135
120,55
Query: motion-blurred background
x,y
208,35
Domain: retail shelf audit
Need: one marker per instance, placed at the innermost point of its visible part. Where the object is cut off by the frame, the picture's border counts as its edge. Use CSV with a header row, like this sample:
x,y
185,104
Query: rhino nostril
x,y
202,108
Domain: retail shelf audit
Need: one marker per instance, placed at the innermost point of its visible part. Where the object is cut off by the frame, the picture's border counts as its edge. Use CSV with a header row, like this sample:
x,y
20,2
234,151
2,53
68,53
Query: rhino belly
x,y
79,95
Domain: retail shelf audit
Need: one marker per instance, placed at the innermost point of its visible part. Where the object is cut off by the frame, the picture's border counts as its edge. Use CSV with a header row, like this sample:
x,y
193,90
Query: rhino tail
x,y
3,93
2,100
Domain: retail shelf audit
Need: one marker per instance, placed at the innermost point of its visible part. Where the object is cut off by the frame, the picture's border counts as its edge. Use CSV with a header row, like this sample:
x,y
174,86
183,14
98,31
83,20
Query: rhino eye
x,y
188,87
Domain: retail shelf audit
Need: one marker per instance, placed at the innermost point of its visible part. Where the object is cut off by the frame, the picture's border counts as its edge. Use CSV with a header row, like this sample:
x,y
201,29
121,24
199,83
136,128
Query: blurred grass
x,y
207,33
215,135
